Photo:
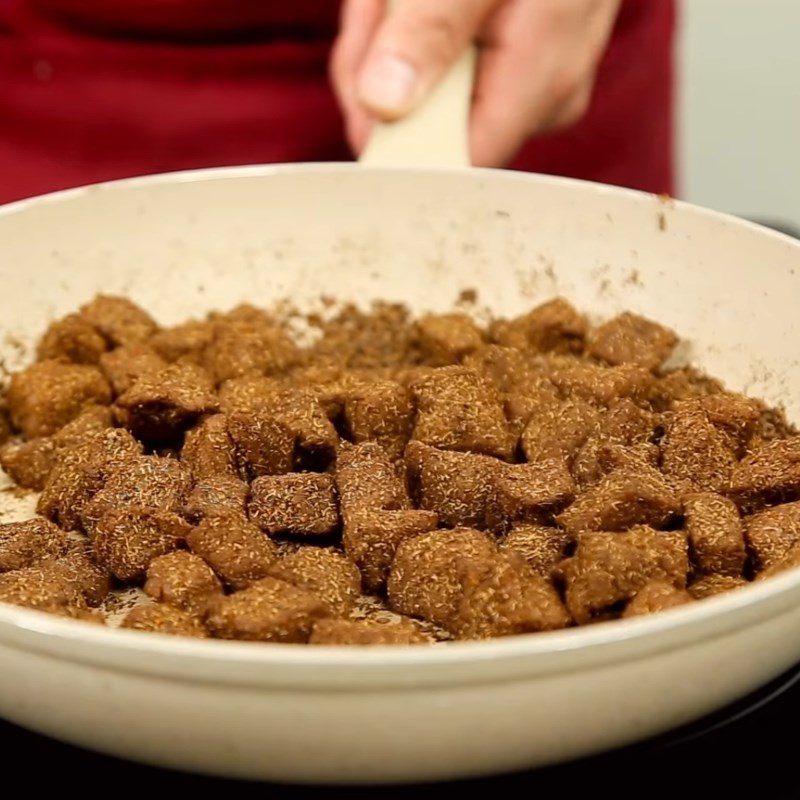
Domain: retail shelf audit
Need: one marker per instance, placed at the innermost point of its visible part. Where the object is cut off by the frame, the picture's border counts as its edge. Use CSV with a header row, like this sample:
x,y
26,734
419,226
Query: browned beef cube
x,y
459,487
624,498
769,474
598,384
217,496
446,338
503,597
124,366
182,580
262,444
118,320
789,561
609,568
46,396
235,548
558,431
530,492
248,393
80,473
631,339
381,337
29,464
208,449
681,384
246,342
425,578
161,618
710,585
79,569
459,410
72,338
147,481
771,533
270,610
553,326
327,573
371,539
39,588
27,544
379,411
697,453
541,547
598,457
512,371
185,343
303,504
715,534
92,420
626,423
160,406
367,632
128,538
734,413
656,596
367,481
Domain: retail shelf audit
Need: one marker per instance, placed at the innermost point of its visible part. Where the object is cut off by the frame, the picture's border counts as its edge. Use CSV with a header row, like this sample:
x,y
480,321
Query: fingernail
x,y
388,83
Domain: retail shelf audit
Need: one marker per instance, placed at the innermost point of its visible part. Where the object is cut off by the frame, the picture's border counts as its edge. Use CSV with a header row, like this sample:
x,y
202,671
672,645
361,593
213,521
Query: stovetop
x,y
749,749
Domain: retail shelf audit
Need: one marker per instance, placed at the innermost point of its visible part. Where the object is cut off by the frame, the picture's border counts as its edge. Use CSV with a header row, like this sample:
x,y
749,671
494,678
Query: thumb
x,y
413,48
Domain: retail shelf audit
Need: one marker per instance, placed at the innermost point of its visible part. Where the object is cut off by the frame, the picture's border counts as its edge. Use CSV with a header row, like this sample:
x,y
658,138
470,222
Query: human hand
x,y
536,67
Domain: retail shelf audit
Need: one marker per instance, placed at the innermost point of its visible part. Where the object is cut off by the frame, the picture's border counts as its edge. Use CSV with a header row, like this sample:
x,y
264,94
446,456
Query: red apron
x,y
92,90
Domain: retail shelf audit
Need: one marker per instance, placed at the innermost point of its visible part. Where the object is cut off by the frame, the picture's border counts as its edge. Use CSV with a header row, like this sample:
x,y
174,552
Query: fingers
x,y
413,48
359,22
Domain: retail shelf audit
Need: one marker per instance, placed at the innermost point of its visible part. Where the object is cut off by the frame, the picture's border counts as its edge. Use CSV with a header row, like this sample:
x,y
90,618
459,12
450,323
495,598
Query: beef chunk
x,y
379,411
29,464
697,453
631,339
367,632
80,473
27,544
235,548
217,496
182,580
367,481
39,588
769,474
656,596
771,533
270,610
459,410
248,393
208,450
542,548
73,339
161,618
789,561
553,326
503,597
459,487
371,539
425,578
147,481
327,573
624,498
446,338
558,431
530,492
128,538
162,405
78,568
118,320
184,343
600,385
247,340
303,504
715,534
609,568
598,457
124,366
49,394
710,585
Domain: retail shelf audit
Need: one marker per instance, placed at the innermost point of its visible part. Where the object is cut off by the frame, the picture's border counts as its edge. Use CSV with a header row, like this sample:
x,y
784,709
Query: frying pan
x,y
183,244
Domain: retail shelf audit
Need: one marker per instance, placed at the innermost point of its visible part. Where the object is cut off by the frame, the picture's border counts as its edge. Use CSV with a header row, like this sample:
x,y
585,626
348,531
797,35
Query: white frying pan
x,y
184,244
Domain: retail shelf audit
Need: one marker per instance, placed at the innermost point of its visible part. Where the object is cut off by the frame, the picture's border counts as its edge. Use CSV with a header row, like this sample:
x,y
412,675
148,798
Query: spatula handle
x,y
435,134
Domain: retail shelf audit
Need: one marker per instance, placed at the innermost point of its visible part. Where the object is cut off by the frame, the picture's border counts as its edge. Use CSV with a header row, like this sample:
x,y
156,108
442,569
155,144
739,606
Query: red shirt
x,y
92,90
